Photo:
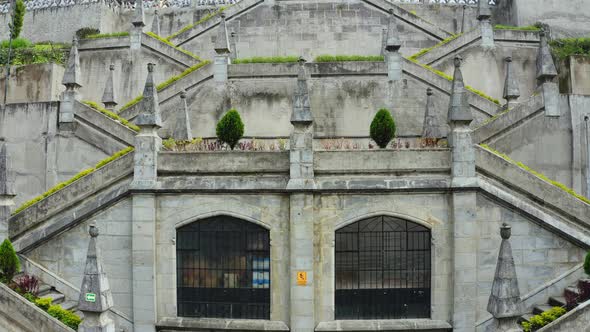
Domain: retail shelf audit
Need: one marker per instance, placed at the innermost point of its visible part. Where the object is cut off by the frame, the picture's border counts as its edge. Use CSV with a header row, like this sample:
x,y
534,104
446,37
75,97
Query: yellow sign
x,y
301,278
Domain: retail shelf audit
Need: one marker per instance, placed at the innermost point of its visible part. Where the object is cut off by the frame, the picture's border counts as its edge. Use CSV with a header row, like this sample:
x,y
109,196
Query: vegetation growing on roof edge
x,y
111,115
167,42
537,174
443,42
166,83
339,58
524,28
204,19
107,35
563,48
66,183
270,59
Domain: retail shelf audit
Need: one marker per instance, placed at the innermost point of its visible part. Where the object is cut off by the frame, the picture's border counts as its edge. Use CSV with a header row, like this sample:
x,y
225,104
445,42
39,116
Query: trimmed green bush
x,y
230,128
85,32
587,264
19,18
43,303
382,128
538,321
65,316
9,263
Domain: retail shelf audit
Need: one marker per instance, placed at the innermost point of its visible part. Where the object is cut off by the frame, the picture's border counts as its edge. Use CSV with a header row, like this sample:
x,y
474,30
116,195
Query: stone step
x,y
69,305
541,309
557,301
43,289
56,298
524,318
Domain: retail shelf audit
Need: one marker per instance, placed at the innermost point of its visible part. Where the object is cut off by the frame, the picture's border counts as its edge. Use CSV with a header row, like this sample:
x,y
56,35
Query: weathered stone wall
x,y
567,19
33,83
574,75
448,17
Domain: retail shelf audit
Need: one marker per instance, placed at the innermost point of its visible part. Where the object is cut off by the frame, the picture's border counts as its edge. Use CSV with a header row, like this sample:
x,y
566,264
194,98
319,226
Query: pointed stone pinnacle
x,y
6,188
545,66
222,40
459,110
511,89
392,43
95,293
72,76
301,107
138,15
484,11
108,96
150,111
183,131
430,129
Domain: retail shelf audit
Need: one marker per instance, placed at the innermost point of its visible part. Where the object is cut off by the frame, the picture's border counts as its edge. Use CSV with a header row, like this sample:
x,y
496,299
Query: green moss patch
x,y
524,28
108,35
81,174
202,20
537,174
167,82
443,42
341,58
563,48
111,115
167,42
270,59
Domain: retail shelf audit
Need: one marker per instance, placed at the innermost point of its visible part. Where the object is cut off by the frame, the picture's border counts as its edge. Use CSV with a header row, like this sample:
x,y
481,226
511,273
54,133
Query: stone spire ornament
x,y
232,45
183,131
108,96
505,303
430,129
511,89
73,81
393,42
150,106
156,23
6,191
459,105
301,108
222,40
72,75
95,294
546,70
138,15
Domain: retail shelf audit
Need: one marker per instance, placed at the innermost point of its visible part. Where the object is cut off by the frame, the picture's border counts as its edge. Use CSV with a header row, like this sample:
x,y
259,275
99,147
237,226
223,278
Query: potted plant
x,y
584,284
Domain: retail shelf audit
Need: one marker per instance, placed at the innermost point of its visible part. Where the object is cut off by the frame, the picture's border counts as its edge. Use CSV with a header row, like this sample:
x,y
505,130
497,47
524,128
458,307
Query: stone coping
x,y
14,305
520,36
223,162
384,325
72,194
104,43
315,69
532,186
219,324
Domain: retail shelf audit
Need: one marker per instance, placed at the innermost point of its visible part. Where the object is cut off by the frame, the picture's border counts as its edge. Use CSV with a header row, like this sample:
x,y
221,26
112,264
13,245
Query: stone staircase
x,y
553,301
57,298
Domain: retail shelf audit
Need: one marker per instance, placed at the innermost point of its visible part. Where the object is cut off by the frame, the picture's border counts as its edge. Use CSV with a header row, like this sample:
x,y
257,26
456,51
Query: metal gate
x,y
223,269
382,270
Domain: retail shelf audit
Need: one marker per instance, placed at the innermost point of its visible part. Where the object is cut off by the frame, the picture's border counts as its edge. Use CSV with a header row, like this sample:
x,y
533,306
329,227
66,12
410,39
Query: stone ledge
x,y
521,36
214,324
104,43
223,162
425,325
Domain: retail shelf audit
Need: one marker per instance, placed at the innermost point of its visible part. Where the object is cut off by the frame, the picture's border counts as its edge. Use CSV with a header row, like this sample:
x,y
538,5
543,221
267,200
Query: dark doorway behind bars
x,y
223,269
382,270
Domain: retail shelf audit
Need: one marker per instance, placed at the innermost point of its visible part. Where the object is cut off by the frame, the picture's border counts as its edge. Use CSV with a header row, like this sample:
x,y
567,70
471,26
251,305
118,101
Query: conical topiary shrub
x,y
230,128
9,263
382,128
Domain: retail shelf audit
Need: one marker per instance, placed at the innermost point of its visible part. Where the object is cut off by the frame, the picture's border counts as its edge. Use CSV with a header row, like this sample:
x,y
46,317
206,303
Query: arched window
x,y
382,270
223,269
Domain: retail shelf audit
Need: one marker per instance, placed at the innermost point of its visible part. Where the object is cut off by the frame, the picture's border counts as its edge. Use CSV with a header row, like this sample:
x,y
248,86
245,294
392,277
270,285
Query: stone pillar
x,y
234,51
156,23
183,131
484,14
72,81
546,73
463,207
6,192
143,240
301,184
223,51
392,46
138,23
511,89
383,42
95,294
430,128
108,96
505,303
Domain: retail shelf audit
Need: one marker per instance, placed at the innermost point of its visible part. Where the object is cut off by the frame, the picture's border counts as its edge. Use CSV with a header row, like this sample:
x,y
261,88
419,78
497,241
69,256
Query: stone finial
x,y
150,106
95,293
72,76
459,105
108,96
138,16
484,12
546,70
392,43
505,302
511,89
6,188
430,129
301,107
183,131
156,23
222,40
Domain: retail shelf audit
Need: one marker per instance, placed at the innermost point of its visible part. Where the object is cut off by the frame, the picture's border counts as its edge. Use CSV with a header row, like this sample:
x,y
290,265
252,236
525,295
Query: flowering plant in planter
x,y
584,284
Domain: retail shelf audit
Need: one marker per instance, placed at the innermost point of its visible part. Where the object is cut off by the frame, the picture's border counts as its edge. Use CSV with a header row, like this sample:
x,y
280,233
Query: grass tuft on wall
x,y
202,20
111,115
563,48
510,27
108,35
167,42
269,59
443,42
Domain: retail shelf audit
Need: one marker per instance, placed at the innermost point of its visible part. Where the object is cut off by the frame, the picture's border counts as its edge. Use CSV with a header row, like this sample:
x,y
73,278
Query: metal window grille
x,y
382,270
223,269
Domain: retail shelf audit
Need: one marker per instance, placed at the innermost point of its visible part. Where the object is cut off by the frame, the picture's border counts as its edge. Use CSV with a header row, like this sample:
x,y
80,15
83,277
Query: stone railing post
x,y
137,24
73,82
108,96
6,191
546,73
511,88
484,14
301,233
223,51
463,206
95,294
392,46
143,237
